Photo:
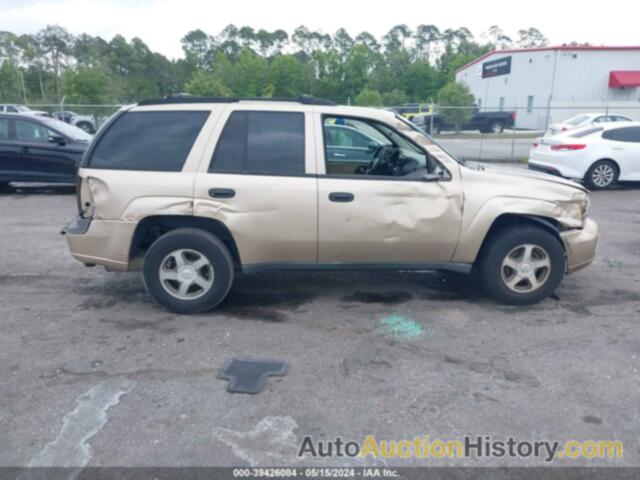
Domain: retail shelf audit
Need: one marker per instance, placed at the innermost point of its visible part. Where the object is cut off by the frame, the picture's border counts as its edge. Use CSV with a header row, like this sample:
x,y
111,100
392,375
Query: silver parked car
x,y
85,122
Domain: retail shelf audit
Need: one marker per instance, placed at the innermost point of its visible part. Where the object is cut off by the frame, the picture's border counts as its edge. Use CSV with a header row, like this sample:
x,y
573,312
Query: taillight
x,y
570,146
535,144
513,116
564,129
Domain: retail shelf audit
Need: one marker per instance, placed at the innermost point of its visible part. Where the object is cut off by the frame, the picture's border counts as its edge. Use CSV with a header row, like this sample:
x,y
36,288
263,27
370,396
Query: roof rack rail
x,y
188,98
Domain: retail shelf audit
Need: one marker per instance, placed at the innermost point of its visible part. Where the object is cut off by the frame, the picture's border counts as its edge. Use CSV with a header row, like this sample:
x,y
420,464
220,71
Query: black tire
x,y
202,242
492,272
496,127
4,185
601,165
87,127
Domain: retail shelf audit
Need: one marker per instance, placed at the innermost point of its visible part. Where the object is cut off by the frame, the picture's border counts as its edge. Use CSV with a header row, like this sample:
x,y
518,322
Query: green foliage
x,y
90,85
286,76
369,98
404,65
456,95
206,84
394,98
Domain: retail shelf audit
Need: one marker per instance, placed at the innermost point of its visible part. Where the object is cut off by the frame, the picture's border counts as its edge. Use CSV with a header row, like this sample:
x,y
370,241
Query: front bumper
x,y
580,245
100,242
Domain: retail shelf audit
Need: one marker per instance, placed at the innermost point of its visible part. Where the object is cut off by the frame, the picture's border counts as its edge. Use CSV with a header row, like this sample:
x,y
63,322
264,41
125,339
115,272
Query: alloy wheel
x,y
526,268
603,175
186,274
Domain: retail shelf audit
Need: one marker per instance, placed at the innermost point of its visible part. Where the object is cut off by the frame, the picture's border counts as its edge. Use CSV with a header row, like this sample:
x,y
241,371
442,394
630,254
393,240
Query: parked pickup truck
x,y
486,122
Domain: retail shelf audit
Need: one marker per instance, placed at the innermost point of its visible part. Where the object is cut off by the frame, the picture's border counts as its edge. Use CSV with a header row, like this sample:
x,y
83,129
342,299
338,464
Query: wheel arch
x,y
510,219
608,159
150,228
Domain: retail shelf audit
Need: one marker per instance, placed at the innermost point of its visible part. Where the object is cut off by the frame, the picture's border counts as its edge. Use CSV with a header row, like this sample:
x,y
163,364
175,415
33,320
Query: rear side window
x,y
627,134
151,141
586,132
261,143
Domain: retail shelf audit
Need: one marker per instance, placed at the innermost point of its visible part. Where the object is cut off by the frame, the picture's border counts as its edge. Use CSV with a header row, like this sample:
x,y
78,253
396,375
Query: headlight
x,y
573,212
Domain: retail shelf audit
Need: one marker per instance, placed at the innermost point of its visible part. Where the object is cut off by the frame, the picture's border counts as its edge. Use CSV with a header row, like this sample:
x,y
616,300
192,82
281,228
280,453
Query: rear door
x,y
258,178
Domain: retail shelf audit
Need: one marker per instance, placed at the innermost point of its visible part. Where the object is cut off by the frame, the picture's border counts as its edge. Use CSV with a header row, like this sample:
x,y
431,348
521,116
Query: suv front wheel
x,y
522,265
188,271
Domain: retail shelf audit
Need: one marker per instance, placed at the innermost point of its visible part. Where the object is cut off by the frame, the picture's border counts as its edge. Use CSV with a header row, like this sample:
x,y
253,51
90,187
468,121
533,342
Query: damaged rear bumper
x,y
100,242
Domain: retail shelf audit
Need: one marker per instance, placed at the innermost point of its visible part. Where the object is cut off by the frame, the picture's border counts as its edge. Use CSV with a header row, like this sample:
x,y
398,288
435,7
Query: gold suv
x,y
196,190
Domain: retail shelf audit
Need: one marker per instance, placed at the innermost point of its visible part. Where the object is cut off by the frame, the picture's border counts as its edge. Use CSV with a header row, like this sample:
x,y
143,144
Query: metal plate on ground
x,y
249,376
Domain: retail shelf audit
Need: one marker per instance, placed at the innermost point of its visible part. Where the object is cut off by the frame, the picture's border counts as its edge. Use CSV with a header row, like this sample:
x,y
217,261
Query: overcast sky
x,y
161,23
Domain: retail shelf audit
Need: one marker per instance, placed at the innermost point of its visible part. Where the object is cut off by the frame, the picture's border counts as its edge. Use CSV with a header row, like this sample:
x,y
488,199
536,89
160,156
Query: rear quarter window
x,y
150,141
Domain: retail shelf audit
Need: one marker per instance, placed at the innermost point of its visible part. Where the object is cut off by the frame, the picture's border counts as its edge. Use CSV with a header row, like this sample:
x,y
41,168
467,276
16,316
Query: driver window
x,y
359,147
31,132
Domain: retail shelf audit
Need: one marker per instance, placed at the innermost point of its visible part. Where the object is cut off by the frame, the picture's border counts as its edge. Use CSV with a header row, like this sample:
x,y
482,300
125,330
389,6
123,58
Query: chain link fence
x,y
506,133
500,133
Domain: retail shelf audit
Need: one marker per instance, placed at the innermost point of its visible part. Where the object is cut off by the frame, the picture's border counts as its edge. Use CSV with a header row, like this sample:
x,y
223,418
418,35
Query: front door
x,y
259,181
388,212
8,152
41,159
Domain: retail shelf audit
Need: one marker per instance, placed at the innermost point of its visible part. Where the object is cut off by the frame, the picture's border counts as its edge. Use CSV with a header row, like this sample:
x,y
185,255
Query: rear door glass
x,y
149,141
261,143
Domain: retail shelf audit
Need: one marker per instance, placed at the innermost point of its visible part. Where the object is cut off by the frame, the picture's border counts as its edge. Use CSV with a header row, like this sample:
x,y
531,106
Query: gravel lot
x,y
92,372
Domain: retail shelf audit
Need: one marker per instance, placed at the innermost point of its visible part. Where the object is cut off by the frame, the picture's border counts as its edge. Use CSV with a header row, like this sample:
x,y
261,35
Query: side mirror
x,y
372,146
434,177
57,139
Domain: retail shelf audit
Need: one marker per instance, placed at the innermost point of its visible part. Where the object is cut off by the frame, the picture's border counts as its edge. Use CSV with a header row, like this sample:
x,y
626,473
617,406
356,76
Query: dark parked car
x,y
486,122
39,149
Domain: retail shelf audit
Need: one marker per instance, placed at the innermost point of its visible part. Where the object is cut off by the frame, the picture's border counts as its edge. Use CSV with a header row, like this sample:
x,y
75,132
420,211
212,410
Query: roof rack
x,y
187,98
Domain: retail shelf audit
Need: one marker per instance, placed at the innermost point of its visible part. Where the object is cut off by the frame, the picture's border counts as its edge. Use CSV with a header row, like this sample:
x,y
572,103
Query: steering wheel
x,y
382,156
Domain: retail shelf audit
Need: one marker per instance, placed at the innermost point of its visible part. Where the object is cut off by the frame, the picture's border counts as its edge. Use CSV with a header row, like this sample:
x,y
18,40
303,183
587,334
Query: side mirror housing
x,y
434,177
57,139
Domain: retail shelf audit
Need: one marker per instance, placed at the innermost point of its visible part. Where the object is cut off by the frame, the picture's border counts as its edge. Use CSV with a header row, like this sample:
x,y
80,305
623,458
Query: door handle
x,y
222,193
336,154
342,197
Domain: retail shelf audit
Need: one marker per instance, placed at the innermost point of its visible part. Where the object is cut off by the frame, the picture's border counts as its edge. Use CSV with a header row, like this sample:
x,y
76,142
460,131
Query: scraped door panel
x,y
387,221
273,218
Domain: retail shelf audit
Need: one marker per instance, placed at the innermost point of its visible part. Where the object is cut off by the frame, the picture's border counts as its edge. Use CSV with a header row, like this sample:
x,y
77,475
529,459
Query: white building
x,y
549,84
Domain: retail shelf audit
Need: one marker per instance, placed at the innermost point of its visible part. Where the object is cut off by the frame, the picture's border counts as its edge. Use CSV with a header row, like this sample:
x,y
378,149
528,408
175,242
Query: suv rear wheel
x,y
188,271
522,265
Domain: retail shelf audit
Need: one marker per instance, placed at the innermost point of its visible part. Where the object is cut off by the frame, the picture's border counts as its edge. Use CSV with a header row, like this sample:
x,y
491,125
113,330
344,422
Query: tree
x,y
394,98
369,98
205,84
497,38
425,37
458,96
531,37
286,76
197,47
87,85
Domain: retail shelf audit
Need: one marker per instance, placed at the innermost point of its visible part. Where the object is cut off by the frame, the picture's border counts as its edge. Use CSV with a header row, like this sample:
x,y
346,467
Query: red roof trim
x,y
624,78
543,49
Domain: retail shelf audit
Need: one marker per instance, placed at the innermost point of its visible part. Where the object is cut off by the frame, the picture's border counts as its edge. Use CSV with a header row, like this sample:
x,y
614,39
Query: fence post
x,y
513,134
431,120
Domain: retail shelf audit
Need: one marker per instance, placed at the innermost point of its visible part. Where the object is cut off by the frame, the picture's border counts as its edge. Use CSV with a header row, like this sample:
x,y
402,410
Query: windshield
x,y
67,130
414,128
577,120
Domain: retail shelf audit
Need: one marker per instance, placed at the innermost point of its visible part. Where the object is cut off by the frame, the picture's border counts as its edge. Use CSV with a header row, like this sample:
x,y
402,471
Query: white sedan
x,y
599,155
585,120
